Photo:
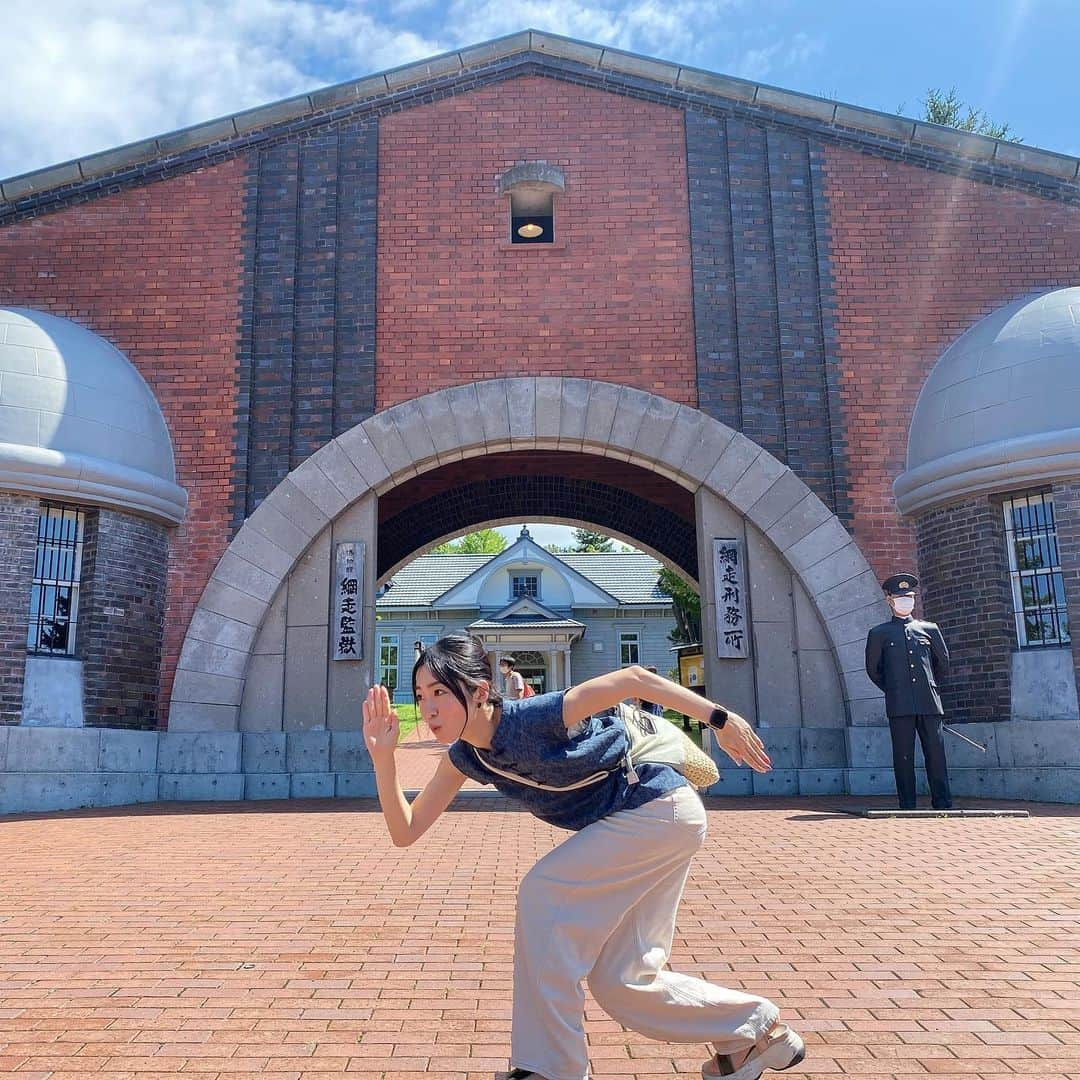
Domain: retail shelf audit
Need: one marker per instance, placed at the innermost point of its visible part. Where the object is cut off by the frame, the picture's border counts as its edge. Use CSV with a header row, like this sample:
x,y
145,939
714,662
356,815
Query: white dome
x,y
78,422
1001,408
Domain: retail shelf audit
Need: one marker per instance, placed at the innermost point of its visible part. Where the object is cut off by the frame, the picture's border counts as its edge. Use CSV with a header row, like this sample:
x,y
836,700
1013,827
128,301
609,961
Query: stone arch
x,y
698,453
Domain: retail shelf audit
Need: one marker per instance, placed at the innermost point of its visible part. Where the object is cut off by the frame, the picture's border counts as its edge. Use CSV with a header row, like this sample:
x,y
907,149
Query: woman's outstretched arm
x,y
736,738
406,821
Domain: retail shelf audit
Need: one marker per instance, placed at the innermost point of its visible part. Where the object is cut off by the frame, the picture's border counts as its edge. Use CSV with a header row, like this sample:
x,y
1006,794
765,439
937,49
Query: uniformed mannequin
x,y
905,658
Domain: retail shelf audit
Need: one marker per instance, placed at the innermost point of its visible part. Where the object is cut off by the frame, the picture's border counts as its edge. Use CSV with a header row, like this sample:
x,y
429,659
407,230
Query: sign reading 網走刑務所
x,y
729,587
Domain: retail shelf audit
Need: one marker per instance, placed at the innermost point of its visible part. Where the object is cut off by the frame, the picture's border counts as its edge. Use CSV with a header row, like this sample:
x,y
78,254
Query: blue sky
x,y
86,75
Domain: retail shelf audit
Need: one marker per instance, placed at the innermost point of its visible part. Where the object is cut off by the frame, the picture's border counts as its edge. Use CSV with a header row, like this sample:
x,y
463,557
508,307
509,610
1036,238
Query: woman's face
x,y
439,709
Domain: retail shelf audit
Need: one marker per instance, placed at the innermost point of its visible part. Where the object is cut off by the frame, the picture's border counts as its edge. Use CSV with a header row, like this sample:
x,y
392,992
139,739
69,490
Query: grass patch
x,y
409,717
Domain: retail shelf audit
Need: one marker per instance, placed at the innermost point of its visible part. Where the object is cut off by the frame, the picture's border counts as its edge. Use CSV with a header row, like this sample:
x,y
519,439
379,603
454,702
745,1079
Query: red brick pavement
x,y
419,753
292,940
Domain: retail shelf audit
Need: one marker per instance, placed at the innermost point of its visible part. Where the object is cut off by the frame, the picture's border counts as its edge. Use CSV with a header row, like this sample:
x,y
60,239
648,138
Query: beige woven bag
x,y
652,738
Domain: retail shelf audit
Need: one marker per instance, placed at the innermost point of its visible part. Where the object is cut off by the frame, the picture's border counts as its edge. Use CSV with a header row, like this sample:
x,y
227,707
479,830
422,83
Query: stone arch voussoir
x,y
497,415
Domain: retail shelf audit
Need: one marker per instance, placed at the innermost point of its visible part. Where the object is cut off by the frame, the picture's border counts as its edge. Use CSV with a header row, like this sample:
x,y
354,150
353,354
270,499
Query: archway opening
x,y
618,498
559,605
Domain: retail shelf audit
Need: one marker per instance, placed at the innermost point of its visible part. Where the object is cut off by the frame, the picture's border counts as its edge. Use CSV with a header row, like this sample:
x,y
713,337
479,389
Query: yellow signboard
x,y
692,670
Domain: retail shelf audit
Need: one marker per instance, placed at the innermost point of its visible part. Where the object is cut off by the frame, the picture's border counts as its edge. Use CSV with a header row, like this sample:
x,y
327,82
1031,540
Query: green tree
x,y
945,107
687,605
585,541
481,542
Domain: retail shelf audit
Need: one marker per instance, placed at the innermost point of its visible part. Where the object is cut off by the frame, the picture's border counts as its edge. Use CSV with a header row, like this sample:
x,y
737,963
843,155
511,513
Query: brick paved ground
x,y
292,940
418,757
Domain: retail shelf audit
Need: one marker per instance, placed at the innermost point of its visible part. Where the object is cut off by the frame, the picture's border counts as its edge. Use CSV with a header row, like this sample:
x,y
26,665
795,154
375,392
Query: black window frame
x,y
1036,581
56,586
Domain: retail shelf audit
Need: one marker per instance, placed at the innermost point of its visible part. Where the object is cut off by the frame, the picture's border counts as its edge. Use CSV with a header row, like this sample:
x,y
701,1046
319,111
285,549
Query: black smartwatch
x,y
718,717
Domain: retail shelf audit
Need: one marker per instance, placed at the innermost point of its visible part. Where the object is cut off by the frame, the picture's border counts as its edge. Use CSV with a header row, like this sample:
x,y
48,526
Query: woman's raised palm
x,y
381,725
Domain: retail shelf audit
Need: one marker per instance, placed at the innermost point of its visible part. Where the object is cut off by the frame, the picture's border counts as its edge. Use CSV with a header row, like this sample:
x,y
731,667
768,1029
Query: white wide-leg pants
x,y
602,906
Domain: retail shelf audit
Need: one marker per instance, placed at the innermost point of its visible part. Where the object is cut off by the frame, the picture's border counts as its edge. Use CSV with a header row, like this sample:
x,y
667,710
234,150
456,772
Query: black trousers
x,y
902,729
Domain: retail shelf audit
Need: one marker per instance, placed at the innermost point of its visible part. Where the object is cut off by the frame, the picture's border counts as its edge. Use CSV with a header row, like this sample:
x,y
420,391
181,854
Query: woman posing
x,y
601,906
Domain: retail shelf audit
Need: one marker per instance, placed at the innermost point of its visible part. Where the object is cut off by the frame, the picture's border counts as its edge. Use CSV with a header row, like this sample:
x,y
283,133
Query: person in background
x,y
905,659
513,681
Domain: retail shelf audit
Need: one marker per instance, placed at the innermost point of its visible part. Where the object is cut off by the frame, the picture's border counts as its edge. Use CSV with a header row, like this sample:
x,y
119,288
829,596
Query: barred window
x,y
54,596
1035,569
524,585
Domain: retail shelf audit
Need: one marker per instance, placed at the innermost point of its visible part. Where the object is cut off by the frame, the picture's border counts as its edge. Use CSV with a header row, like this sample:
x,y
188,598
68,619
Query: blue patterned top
x,y
531,740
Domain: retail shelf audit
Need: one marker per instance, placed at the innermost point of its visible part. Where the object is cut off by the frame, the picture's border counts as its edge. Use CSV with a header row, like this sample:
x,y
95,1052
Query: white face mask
x,y
903,605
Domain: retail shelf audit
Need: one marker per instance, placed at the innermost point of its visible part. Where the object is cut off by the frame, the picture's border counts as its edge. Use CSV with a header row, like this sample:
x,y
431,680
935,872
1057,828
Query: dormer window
x,y
531,187
524,585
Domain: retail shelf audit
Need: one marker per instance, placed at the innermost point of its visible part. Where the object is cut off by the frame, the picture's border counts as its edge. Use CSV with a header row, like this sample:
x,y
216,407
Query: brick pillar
x,y
964,573
1067,516
121,618
18,543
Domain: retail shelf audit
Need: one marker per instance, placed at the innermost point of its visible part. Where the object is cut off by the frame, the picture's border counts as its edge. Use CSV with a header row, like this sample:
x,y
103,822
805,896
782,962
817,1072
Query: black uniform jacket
x,y
905,658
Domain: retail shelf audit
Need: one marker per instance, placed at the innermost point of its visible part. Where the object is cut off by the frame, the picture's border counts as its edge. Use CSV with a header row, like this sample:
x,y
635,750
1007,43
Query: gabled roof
x,y
629,577
525,608
628,70
533,624
427,578
528,611
526,551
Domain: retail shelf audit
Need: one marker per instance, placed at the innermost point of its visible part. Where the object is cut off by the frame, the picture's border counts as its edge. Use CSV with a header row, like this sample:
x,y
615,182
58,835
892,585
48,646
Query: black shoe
x,y
518,1074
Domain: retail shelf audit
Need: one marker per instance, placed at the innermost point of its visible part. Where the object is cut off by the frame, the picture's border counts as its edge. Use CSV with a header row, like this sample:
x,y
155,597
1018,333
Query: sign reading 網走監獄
x,y
729,584
347,611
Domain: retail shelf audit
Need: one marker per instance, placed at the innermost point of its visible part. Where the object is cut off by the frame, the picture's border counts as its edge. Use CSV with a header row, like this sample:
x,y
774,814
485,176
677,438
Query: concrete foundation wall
x,y
44,769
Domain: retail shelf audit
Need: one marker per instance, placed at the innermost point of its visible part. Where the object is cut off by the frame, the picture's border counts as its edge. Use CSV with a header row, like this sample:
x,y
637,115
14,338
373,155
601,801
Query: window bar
x,y
55,588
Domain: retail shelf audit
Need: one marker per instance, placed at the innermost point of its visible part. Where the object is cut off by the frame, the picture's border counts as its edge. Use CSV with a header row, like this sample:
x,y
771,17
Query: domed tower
x,y
993,484
87,495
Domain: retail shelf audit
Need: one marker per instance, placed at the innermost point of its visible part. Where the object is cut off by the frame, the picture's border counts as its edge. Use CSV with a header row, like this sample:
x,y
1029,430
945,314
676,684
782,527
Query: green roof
x,y
631,577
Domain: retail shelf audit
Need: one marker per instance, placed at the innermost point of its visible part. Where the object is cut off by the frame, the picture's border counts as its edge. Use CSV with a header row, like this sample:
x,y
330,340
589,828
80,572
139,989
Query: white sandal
x,y
780,1049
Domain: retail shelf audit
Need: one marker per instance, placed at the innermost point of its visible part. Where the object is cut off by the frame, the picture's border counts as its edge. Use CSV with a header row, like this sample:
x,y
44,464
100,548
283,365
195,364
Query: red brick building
x,y
722,333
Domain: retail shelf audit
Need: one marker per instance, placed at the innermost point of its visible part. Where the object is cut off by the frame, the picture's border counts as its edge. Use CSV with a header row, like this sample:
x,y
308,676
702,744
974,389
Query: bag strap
x,y
507,775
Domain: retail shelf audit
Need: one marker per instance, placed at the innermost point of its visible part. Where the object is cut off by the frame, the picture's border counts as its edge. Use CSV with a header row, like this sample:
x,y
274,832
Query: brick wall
x,y
964,588
760,325
157,270
610,299
18,543
917,256
309,351
121,619
1067,516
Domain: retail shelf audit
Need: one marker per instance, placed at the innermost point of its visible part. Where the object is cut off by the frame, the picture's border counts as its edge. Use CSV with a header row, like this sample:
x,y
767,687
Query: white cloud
x,y
94,74
759,63
640,25
722,35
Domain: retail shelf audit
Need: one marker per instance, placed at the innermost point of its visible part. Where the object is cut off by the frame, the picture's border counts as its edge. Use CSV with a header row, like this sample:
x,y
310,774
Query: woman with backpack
x,y
601,906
